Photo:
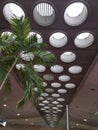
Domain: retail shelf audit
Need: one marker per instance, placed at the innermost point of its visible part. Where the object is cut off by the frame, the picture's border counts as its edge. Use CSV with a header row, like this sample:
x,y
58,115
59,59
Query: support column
x,y
67,117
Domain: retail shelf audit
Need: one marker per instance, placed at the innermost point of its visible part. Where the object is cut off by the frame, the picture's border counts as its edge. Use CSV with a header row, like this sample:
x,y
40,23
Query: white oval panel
x,y
75,69
58,39
84,40
68,57
75,14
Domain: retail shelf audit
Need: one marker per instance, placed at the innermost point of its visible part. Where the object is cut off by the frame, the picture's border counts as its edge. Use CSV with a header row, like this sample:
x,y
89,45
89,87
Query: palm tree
x,y
23,51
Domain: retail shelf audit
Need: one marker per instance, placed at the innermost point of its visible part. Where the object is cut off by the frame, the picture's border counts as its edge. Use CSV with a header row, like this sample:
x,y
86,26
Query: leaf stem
x,y
1,86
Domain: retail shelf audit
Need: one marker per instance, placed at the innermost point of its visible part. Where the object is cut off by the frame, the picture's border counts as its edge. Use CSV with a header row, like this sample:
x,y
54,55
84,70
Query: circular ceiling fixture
x,y
75,14
55,102
70,85
27,56
41,104
45,102
48,77
60,99
39,37
55,95
20,66
49,90
64,78
68,57
44,94
56,85
84,40
12,10
6,33
44,14
50,98
60,106
56,68
40,98
44,84
62,91
39,68
58,39
75,69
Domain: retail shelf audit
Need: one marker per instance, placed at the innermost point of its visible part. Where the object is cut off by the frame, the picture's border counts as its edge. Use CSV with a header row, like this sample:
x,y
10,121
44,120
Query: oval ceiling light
x,y
44,94
70,85
55,102
12,10
55,95
56,85
40,98
20,66
62,91
6,33
84,40
48,77
60,106
61,99
45,102
58,39
57,68
49,90
50,98
41,104
27,56
68,57
64,78
44,84
39,68
44,14
39,37
75,14
75,69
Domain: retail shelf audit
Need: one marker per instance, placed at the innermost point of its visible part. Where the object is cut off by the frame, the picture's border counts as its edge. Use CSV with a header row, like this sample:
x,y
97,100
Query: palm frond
x,y
44,58
30,80
21,28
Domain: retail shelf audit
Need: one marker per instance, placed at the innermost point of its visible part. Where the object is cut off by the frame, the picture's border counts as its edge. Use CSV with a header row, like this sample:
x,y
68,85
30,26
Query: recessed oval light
x,y
58,39
41,104
40,98
39,37
68,57
57,68
6,33
48,77
49,90
44,14
45,102
27,56
44,94
20,66
55,102
70,85
55,84
39,68
50,98
12,10
55,95
84,40
75,69
62,90
44,84
61,99
60,105
75,14
64,78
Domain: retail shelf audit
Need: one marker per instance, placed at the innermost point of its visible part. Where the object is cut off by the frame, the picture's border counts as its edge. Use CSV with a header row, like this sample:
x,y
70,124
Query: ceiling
x,y
73,78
